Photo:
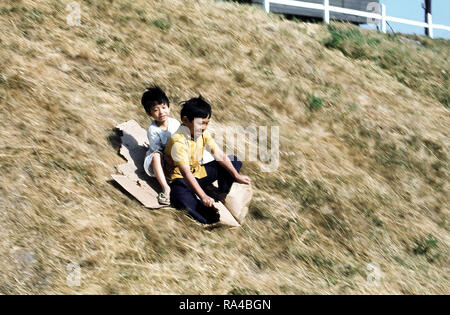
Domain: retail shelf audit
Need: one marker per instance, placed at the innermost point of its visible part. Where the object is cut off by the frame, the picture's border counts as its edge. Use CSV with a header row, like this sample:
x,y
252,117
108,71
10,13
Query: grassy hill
x,y
364,139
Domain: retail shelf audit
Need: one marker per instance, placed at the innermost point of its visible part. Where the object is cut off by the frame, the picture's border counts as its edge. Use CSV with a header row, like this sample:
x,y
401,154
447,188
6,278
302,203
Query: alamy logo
x,y
374,276
258,145
74,16
74,277
373,7
235,140
25,261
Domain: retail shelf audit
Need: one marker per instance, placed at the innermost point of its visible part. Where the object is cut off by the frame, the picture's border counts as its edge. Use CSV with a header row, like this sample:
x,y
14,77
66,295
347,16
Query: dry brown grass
x,y
368,182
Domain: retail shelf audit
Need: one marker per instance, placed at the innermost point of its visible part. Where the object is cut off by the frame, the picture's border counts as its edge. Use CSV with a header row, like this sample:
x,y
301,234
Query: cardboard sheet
x,y
132,176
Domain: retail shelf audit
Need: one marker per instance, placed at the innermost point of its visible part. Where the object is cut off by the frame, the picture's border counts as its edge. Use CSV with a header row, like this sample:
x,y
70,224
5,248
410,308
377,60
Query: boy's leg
x,y
159,172
225,179
215,171
183,197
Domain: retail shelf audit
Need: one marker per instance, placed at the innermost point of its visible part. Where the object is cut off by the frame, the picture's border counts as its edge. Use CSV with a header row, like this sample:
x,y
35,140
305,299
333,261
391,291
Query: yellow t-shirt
x,y
185,151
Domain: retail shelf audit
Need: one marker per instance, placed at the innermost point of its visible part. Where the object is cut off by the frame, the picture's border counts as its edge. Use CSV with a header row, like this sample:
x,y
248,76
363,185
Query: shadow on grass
x,y
114,139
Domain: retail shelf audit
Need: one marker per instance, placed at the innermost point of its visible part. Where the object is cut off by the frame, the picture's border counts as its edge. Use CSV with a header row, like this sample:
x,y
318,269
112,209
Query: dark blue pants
x,y
183,197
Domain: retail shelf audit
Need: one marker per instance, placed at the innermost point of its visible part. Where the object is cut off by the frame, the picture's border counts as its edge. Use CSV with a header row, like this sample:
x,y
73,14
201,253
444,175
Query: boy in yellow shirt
x,y
188,178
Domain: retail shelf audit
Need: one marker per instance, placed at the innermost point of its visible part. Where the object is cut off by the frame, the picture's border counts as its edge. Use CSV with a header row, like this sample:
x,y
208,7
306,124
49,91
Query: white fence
x,y
381,17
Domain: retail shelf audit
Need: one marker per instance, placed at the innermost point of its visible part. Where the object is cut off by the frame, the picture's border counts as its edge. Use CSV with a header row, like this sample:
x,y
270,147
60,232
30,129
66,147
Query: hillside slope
x,y
362,181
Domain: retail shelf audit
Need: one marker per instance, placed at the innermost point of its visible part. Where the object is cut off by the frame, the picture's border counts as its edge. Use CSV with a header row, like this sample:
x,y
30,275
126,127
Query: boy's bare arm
x,y
192,182
223,160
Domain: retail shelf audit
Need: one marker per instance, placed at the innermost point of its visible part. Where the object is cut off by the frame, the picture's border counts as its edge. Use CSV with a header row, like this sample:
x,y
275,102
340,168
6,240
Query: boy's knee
x,y
180,193
236,162
156,159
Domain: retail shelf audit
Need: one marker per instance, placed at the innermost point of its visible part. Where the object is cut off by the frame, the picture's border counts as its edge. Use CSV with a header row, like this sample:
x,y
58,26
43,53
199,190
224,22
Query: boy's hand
x,y
207,201
242,179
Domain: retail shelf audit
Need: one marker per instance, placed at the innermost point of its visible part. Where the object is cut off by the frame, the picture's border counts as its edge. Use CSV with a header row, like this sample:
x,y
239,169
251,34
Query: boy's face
x,y
160,112
197,126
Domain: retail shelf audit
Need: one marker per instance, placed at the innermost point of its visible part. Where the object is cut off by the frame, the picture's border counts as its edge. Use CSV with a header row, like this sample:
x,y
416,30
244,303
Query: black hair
x,y
152,96
196,107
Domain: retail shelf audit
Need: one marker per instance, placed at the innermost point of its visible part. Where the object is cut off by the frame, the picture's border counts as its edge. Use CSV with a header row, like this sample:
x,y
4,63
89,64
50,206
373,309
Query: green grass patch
x,y
424,246
349,271
377,222
162,24
404,62
236,290
400,261
315,103
442,93
101,42
7,11
350,41
391,155
428,247
35,15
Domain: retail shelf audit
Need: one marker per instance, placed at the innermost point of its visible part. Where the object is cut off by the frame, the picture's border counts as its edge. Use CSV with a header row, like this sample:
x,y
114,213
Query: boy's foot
x,y
166,191
163,199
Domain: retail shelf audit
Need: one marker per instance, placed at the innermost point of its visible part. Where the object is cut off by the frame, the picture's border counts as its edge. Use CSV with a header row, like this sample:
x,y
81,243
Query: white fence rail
x,y
381,16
